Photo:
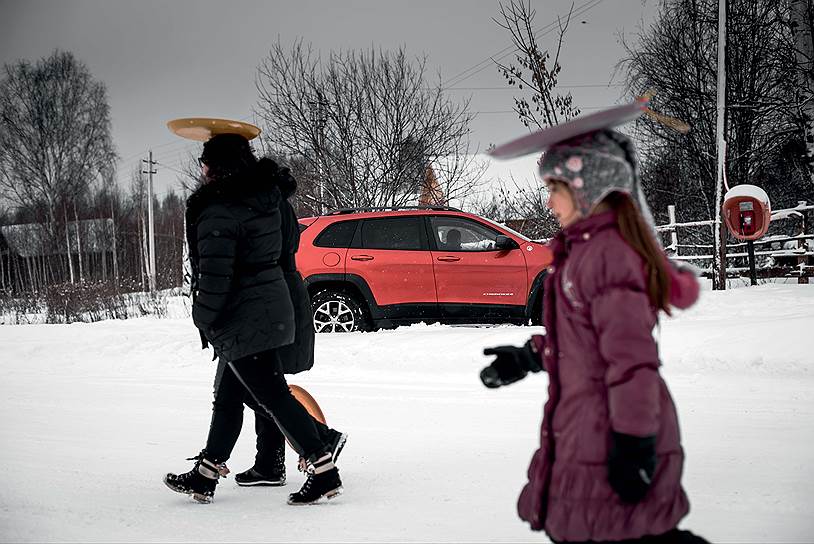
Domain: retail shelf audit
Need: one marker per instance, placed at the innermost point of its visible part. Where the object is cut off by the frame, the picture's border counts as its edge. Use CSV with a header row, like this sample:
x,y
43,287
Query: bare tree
x,y
54,132
536,72
802,27
519,207
360,128
677,56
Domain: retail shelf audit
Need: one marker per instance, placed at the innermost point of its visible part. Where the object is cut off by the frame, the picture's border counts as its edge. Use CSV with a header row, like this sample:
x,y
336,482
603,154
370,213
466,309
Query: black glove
x,y
511,364
631,465
204,341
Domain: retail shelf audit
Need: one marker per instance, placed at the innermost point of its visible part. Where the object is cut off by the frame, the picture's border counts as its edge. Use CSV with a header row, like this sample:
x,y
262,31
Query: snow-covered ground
x,y
93,415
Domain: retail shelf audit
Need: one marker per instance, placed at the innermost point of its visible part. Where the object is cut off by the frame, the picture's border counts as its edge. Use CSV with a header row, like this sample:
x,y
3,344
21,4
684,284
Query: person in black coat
x,y
269,465
243,308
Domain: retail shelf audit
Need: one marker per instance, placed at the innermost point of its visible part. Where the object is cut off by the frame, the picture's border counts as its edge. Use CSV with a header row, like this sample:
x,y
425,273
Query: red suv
x,y
381,267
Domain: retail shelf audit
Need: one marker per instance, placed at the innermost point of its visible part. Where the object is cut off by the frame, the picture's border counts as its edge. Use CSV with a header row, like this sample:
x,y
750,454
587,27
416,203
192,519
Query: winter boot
x,y
323,481
336,443
273,475
199,482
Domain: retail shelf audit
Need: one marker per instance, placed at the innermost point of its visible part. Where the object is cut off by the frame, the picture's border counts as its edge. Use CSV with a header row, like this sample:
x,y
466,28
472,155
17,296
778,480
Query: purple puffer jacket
x,y
603,367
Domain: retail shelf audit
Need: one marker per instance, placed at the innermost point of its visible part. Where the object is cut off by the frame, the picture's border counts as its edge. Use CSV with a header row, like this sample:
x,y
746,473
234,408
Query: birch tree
x,y
361,127
54,132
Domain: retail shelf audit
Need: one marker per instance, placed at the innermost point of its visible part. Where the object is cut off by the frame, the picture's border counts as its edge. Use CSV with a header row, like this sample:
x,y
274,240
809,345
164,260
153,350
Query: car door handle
x,y
361,258
449,259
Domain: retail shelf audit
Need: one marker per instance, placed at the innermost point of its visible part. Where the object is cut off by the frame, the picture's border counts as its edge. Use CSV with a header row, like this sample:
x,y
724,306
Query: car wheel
x,y
337,311
536,317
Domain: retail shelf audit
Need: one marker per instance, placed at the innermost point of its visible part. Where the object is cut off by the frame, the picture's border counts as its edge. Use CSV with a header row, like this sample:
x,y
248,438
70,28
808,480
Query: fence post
x,y
671,215
802,259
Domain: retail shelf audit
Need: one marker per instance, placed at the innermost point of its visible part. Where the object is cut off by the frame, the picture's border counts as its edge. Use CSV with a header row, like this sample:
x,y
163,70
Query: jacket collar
x,y
252,187
590,225
582,230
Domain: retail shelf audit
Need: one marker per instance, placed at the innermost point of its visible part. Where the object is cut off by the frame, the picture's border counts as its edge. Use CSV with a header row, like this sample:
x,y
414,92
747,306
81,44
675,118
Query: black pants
x,y
270,439
259,381
675,536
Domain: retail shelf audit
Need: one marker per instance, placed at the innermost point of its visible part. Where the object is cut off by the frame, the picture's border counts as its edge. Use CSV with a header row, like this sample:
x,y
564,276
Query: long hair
x,y
638,235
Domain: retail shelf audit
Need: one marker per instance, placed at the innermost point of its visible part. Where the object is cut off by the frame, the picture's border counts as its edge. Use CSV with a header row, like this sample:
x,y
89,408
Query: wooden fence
x,y
783,255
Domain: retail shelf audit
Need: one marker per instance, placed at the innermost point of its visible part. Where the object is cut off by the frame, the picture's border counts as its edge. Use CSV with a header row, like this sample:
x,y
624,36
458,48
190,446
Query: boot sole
x,y
332,494
198,497
202,499
261,483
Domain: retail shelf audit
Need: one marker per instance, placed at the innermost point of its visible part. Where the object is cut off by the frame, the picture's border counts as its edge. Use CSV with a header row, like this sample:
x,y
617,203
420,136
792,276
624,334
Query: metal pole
x,y
321,103
671,214
801,261
150,223
719,253
750,248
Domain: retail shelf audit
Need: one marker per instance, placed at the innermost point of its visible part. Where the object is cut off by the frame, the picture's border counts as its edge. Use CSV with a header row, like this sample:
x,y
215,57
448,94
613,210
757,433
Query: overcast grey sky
x,y
163,59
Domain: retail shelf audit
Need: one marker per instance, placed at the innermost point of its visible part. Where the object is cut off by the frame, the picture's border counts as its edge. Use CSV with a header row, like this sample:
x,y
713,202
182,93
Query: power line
x,y
185,145
512,111
547,29
583,86
504,50
165,165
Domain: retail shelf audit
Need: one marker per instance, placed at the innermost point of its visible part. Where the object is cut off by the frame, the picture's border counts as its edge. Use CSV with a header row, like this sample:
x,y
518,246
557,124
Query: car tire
x,y
336,310
536,317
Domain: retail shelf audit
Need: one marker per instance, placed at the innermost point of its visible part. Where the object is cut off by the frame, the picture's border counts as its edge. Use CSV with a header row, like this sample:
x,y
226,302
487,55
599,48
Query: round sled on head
x,y
541,140
202,129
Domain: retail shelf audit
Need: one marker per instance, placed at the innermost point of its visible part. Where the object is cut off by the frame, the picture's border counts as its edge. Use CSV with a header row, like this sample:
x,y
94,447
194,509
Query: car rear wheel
x,y
337,311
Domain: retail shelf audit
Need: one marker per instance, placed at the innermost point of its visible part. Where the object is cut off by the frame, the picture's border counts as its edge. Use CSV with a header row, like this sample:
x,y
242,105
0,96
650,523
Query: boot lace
x,y
306,487
223,470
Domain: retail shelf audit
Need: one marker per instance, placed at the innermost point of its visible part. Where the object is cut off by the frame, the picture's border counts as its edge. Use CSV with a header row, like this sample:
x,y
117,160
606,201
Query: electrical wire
x,y
503,53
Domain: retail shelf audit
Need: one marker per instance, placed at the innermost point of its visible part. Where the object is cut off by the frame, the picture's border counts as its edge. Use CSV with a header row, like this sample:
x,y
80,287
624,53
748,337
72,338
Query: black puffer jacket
x,y
241,302
299,355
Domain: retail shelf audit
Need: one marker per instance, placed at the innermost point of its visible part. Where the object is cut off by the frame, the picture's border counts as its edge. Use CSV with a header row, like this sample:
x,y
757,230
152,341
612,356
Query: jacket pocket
x,y
592,442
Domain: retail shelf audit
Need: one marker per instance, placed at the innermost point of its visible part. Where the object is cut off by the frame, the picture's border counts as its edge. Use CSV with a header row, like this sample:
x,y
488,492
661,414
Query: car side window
x,y
337,234
392,233
459,234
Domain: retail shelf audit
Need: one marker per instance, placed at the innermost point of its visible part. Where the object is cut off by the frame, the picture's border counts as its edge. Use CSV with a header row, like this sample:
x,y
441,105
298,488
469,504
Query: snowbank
x,y
95,414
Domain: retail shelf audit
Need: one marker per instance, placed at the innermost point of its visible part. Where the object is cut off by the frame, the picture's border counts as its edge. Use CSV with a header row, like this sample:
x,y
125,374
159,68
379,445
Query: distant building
x,y
431,192
33,239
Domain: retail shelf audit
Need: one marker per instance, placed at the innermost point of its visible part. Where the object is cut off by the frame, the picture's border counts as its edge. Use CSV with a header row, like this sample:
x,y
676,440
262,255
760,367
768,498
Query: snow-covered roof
x,y
747,190
33,239
520,173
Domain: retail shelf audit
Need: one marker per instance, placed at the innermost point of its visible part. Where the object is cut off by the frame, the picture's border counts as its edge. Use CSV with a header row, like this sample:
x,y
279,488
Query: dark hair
x,y
638,235
227,155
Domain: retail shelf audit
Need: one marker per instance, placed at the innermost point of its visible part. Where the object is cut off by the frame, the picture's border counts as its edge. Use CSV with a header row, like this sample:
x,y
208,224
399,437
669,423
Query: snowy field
x,y
93,415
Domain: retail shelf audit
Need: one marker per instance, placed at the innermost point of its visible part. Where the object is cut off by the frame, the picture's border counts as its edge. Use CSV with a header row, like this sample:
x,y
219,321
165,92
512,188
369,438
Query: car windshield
x,y
504,227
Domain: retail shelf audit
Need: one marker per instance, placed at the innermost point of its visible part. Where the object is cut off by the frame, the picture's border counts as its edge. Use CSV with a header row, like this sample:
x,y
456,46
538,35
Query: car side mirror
x,y
505,243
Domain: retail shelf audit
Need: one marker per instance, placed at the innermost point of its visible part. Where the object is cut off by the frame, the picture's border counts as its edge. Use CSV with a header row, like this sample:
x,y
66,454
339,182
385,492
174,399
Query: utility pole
x,y
719,246
319,120
115,257
150,221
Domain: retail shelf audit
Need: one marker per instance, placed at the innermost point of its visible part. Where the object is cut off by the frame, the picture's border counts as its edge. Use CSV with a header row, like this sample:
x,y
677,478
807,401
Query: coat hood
x,y
277,175
262,187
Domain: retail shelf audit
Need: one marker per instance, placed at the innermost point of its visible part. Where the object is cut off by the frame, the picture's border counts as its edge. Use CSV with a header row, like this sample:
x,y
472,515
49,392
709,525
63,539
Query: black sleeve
x,y
217,236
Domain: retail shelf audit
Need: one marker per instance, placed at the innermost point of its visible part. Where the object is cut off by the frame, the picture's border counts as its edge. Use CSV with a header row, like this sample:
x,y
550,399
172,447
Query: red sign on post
x,y
747,212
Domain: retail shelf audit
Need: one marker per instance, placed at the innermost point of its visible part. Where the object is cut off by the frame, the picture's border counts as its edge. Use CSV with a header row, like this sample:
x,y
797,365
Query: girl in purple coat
x,y
610,459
